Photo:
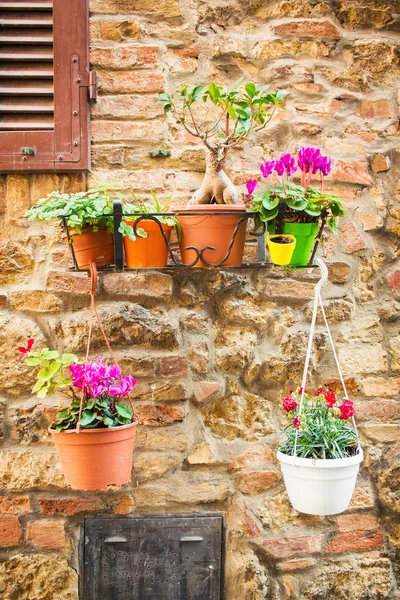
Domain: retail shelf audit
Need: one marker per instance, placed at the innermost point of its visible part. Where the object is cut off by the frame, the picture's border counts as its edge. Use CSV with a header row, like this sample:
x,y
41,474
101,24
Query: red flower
x,y
289,404
296,422
301,391
346,410
291,390
330,398
319,391
27,349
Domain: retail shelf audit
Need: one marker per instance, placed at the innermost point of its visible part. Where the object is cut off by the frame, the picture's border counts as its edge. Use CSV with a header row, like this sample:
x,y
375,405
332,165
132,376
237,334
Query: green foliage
x,y
322,434
144,208
238,111
97,413
80,209
310,204
51,376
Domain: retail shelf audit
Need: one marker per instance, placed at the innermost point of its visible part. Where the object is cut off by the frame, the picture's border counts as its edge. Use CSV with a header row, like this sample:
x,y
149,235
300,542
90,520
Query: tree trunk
x,y
216,186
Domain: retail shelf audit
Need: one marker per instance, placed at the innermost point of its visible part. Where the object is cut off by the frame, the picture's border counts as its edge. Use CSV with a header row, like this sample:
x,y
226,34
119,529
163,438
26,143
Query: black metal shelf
x,y
174,263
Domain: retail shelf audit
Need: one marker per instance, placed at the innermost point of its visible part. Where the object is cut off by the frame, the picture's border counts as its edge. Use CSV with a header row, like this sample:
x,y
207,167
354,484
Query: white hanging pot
x,y
320,486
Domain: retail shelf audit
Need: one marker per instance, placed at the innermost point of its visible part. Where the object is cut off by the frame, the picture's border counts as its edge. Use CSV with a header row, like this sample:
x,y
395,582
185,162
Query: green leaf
x,y
296,203
269,203
123,410
250,89
87,418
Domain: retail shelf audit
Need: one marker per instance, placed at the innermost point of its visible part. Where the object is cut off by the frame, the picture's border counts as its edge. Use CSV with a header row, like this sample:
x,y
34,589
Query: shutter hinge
x,y
93,86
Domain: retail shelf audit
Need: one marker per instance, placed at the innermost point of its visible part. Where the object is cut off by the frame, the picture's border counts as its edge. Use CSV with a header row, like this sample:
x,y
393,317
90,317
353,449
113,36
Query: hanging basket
x,y
320,486
317,486
92,459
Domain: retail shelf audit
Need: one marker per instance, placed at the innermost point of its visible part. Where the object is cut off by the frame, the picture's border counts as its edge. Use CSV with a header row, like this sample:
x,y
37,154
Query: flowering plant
x,y
284,200
322,425
100,385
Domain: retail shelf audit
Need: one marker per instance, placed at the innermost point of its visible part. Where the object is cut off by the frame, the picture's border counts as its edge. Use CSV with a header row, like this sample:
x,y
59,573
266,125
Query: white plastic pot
x,y
319,486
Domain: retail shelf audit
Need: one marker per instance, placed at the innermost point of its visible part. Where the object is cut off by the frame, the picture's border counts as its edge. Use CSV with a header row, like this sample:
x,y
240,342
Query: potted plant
x,y
281,248
145,238
94,434
221,119
320,455
88,216
293,208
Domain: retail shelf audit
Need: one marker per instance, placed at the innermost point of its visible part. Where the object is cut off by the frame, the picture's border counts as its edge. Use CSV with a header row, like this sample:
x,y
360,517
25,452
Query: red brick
x,y
257,481
10,530
46,534
253,457
378,411
335,385
205,390
383,433
130,82
296,564
192,51
124,506
122,57
394,281
248,521
309,88
379,108
318,29
294,290
354,541
351,238
16,505
68,283
283,547
174,365
352,172
68,506
157,415
363,522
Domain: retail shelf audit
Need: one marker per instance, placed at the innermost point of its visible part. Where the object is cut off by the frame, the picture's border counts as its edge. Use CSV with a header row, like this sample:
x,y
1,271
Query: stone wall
x,y
213,352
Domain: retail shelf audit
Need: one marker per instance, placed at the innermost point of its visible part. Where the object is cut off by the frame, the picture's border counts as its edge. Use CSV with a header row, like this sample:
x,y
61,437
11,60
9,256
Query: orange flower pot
x,y
151,251
93,246
214,230
95,458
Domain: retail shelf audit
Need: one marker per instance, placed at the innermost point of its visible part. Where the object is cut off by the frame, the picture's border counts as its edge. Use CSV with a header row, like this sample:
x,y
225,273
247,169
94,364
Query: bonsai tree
x,y
222,119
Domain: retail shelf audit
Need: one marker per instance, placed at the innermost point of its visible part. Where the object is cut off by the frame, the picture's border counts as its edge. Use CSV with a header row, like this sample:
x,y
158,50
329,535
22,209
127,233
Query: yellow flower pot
x,y
281,252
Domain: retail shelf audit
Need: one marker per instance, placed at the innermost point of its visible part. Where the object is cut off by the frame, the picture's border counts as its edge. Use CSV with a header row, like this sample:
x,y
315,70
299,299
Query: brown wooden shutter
x,y
44,85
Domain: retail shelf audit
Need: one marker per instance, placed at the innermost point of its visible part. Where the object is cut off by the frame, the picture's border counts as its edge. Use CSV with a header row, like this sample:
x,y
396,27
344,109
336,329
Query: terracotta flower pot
x,y
95,458
214,230
147,252
93,246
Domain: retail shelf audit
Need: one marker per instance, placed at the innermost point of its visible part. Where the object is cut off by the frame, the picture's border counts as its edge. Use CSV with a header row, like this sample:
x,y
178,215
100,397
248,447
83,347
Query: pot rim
x,y
95,430
211,208
131,220
321,463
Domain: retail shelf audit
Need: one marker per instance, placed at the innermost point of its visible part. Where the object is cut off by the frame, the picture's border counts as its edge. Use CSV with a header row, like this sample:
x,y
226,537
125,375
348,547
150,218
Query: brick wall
x,y
213,352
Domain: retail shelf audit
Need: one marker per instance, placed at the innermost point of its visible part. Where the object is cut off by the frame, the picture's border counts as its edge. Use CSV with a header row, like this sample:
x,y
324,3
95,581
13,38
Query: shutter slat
x,y
26,68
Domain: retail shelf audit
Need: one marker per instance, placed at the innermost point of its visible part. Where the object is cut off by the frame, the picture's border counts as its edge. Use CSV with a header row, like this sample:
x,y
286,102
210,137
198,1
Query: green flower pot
x,y
305,234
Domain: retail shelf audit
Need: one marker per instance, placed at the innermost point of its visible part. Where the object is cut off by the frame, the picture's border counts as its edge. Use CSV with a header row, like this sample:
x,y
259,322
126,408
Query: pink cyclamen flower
x,y
267,167
279,167
307,157
25,351
251,186
322,164
346,410
289,164
289,404
124,388
296,422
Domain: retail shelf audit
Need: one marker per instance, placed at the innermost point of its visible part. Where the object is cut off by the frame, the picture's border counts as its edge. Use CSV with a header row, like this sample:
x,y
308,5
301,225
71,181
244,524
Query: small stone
x,y
152,285
351,172
174,365
16,262
15,505
46,533
35,300
124,507
339,272
44,576
355,541
381,386
124,56
394,281
205,390
351,238
395,353
162,8
25,470
257,481
370,358
308,88
69,506
157,438
130,82
152,466
158,415
201,455
283,547
253,457
382,433
318,29
385,411
297,564
361,498
380,163
68,283
161,390
376,109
